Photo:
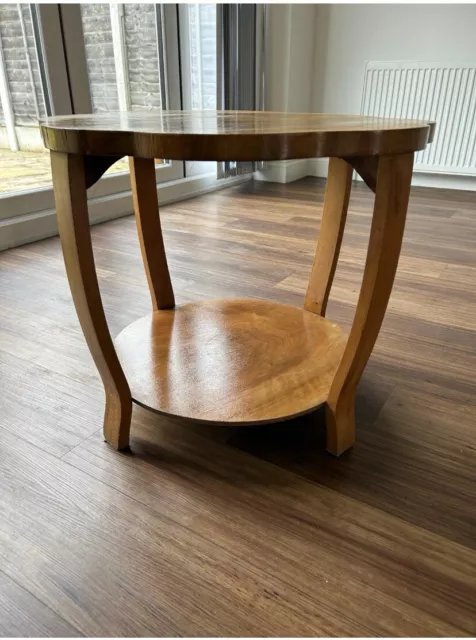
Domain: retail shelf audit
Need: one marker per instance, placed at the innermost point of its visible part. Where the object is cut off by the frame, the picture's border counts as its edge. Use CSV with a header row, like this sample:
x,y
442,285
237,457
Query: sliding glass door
x,y
60,59
128,65
23,98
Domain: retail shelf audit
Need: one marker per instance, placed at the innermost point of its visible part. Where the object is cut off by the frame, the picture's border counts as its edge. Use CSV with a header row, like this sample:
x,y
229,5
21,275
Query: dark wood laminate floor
x,y
206,531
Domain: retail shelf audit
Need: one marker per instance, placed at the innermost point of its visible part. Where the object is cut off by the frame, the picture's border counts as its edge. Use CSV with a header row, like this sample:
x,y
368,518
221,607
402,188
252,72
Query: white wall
x,y
289,73
349,35
290,57
316,56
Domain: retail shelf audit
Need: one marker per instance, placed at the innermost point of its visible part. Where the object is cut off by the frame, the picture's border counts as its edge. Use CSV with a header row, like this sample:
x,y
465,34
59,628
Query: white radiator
x,y
444,93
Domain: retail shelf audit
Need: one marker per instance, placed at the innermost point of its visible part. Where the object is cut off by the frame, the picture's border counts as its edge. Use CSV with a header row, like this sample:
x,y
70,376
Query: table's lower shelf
x,y
231,361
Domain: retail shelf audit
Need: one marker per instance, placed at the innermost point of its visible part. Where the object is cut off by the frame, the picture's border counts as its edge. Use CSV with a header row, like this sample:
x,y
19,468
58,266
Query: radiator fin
x,y
446,94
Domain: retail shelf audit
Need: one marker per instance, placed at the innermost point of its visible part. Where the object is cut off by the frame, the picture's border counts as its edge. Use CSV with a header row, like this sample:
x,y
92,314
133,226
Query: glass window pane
x,y
122,55
97,31
142,54
23,160
203,55
199,55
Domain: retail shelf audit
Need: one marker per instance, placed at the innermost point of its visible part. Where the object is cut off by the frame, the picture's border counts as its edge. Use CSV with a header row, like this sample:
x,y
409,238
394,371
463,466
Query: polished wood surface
x,y
231,361
394,176
146,209
382,150
73,224
254,532
232,135
253,387
334,215
366,167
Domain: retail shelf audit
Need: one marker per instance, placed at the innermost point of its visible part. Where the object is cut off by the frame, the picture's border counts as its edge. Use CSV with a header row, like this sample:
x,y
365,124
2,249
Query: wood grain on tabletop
x,y
232,135
243,531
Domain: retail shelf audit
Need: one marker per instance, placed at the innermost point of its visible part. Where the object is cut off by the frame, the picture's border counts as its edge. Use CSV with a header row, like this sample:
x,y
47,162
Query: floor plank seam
x,y
391,525
38,599
184,527
80,443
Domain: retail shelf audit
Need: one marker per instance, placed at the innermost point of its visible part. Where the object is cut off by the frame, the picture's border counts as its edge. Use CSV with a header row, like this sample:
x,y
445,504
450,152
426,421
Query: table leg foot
x,y
73,222
117,422
394,174
340,426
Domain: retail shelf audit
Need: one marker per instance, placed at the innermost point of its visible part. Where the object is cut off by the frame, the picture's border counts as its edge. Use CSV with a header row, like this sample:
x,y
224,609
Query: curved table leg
x,y
146,208
391,200
71,207
336,202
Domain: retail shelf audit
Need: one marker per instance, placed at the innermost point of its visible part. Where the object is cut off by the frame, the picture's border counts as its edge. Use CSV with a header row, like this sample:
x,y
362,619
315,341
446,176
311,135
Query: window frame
x,y
64,71
27,216
81,93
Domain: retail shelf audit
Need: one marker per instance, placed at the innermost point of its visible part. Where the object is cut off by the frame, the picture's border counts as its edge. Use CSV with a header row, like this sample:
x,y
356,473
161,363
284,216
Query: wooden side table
x,y
241,362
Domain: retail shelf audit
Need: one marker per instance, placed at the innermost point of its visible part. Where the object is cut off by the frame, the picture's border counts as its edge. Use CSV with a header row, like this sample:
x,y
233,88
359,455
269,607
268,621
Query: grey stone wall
x,y
15,54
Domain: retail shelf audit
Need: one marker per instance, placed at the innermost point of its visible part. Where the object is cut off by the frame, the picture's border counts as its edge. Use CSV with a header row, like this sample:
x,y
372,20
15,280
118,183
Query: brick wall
x,y
100,56
202,21
15,54
142,55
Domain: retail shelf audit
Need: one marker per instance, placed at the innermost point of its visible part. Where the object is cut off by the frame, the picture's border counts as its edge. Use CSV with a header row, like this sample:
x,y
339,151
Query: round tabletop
x,y
232,135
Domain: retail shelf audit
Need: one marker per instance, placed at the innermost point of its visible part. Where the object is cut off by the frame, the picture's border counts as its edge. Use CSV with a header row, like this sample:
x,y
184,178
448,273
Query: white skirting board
x,y
319,166
291,170
283,171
